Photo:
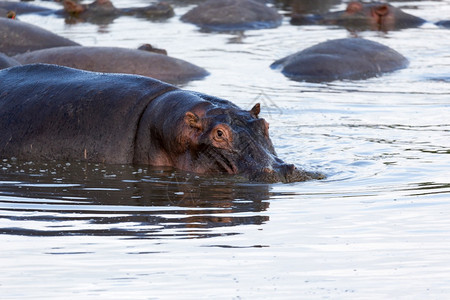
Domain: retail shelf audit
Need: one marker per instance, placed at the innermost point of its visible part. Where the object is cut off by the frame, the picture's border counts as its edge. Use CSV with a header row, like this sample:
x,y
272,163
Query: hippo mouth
x,y
286,173
223,163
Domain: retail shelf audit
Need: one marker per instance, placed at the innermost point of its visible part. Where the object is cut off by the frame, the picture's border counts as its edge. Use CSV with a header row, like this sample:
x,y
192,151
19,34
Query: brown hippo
x,y
224,15
49,112
104,9
117,60
150,48
6,61
19,37
350,58
365,16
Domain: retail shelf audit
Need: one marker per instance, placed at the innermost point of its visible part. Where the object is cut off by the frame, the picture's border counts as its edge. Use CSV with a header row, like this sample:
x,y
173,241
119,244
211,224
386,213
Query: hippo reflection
x,y
69,114
364,16
102,200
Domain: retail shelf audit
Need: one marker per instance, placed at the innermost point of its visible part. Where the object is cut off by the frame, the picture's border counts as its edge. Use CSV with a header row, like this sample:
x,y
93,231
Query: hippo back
x,y
6,61
49,112
19,37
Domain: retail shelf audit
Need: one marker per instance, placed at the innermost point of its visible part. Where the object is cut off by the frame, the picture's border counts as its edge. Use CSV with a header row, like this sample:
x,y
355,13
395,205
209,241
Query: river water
x,y
378,227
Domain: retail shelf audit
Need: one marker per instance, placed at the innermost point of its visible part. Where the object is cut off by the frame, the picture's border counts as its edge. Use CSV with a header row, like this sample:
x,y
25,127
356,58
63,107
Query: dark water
x,y
377,228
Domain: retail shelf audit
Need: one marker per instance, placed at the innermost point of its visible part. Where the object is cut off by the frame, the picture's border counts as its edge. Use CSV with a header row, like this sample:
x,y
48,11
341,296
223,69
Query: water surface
x,y
377,228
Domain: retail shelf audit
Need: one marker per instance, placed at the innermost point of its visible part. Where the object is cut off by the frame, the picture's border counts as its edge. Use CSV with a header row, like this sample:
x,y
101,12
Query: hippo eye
x,y
220,134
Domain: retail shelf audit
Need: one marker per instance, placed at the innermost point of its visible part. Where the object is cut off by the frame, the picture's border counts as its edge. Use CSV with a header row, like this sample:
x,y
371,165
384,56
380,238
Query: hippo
x,y
364,16
55,113
151,48
309,6
117,60
226,15
6,61
99,11
104,9
443,23
19,37
7,13
348,58
24,8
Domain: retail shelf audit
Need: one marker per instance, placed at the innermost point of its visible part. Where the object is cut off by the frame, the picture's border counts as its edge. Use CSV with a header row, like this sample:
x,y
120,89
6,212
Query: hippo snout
x,y
284,173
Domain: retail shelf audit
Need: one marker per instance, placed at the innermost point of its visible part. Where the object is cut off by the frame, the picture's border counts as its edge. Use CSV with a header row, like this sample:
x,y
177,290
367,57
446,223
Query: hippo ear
x,y
193,120
72,7
382,10
354,7
255,110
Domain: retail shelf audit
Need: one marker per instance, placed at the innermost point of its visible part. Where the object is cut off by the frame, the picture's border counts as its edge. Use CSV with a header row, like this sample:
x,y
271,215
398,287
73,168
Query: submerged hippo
x,y
117,60
364,16
49,112
99,11
10,14
105,9
6,61
19,37
24,8
444,23
350,58
222,15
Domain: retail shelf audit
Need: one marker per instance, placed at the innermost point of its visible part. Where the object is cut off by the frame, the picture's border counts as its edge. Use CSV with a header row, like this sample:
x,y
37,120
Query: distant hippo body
x,y
19,37
117,60
24,8
7,14
104,10
6,61
99,11
444,23
365,16
351,58
49,112
223,15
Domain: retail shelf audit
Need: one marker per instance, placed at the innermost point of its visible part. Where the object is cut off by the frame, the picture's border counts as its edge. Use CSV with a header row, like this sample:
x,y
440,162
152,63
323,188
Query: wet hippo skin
x,y
364,16
350,58
19,37
221,15
6,61
117,60
49,112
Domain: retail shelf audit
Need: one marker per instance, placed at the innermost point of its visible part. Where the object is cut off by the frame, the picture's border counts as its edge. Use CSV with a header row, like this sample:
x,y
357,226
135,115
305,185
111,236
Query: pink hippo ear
x,y
354,7
72,7
255,110
382,10
193,120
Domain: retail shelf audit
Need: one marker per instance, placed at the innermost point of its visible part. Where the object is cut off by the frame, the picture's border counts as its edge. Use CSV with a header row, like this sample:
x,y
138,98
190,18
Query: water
x,y
376,228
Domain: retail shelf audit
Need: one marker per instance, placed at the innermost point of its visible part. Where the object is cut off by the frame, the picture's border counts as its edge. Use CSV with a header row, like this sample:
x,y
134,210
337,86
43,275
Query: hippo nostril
x,y
268,171
287,169
290,168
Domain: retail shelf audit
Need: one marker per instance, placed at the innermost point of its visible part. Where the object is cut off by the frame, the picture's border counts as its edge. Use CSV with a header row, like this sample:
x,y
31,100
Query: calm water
x,y
377,228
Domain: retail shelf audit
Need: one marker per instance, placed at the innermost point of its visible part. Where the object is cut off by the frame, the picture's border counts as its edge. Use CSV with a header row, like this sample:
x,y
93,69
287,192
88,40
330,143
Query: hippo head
x,y
375,14
235,141
98,7
378,16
